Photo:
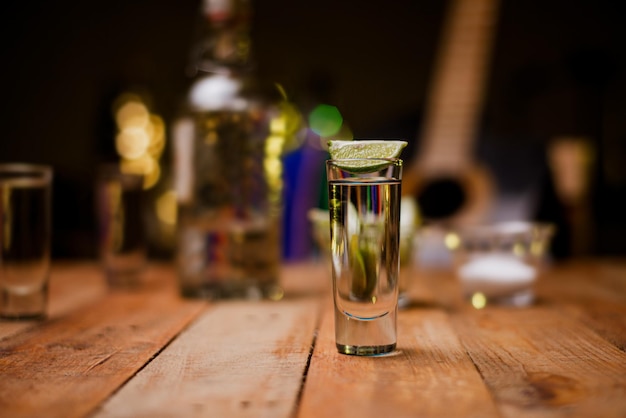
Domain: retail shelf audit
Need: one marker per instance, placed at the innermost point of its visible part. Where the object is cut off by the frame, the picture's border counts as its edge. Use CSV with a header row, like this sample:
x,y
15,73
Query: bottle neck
x,y
224,38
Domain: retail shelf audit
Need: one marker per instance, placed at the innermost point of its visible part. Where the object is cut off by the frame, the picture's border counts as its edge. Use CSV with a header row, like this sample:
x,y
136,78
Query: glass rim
x,y
508,229
364,167
25,173
388,159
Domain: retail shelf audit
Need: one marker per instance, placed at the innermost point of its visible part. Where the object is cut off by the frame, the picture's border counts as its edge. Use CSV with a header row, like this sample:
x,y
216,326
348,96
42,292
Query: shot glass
x,y
121,228
25,211
499,264
364,203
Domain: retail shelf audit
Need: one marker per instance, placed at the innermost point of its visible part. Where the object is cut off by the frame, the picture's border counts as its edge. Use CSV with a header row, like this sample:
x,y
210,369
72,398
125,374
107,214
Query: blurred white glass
x,y
121,228
500,263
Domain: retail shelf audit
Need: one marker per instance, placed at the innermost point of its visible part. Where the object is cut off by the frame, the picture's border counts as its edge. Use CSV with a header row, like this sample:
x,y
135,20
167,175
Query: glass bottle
x,y
228,169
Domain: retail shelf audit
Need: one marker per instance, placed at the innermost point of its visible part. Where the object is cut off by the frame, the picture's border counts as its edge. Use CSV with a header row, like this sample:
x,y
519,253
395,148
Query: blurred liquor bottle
x,y
227,146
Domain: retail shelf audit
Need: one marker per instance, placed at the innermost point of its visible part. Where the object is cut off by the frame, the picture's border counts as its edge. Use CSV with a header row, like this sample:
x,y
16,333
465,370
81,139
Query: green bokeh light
x,y
325,120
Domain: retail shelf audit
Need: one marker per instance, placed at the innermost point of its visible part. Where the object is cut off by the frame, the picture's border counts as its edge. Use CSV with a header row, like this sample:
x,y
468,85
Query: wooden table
x,y
149,353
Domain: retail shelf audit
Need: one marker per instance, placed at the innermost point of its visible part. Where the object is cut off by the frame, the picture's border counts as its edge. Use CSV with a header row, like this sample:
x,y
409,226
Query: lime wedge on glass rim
x,y
353,152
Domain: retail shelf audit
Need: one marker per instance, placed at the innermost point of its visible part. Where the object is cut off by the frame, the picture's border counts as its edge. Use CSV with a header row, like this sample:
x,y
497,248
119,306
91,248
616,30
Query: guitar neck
x,y
456,95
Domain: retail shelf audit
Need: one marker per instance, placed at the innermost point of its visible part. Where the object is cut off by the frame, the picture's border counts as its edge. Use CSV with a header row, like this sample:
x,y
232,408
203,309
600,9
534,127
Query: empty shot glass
x,y
121,227
364,205
25,211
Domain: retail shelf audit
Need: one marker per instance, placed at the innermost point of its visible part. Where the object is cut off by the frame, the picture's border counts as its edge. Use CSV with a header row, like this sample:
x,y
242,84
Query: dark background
x,y
558,68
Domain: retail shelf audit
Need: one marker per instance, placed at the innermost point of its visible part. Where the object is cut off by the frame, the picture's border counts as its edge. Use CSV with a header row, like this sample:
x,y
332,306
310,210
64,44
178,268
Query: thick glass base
x,y
23,306
366,350
365,337
124,270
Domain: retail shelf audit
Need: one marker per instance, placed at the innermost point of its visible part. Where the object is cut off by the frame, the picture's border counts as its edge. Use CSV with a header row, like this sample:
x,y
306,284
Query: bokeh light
x,y
140,138
325,120
132,143
452,241
284,130
166,207
479,300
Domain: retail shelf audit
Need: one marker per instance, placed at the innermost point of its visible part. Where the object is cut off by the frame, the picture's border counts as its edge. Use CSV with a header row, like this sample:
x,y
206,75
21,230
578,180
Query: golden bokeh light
x,y
479,300
284,129
132,143
166,207
140,138
157,142
146,166
537,248
519,249
452,241
132,114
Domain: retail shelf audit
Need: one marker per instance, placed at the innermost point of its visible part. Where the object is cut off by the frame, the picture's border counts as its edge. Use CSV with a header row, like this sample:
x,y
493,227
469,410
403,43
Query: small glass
x,y
500,263
365,252
121,228
25,229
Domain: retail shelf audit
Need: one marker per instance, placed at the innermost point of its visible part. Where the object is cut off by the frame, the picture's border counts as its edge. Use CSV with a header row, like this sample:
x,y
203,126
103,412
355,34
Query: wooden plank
x,y
241,359
71,286
306,279
77,284
584,282
540,363
430,375
66,367
434,288
592,292
608,320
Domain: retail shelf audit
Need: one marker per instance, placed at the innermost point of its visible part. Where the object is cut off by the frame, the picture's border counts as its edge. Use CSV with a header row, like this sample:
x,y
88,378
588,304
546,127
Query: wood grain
x,y
584,282
540,363
77,284
146,352
593,293
65,367
429,375
240,359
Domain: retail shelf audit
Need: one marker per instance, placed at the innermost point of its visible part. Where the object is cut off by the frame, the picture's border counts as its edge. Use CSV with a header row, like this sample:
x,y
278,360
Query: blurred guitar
x,y
448,185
